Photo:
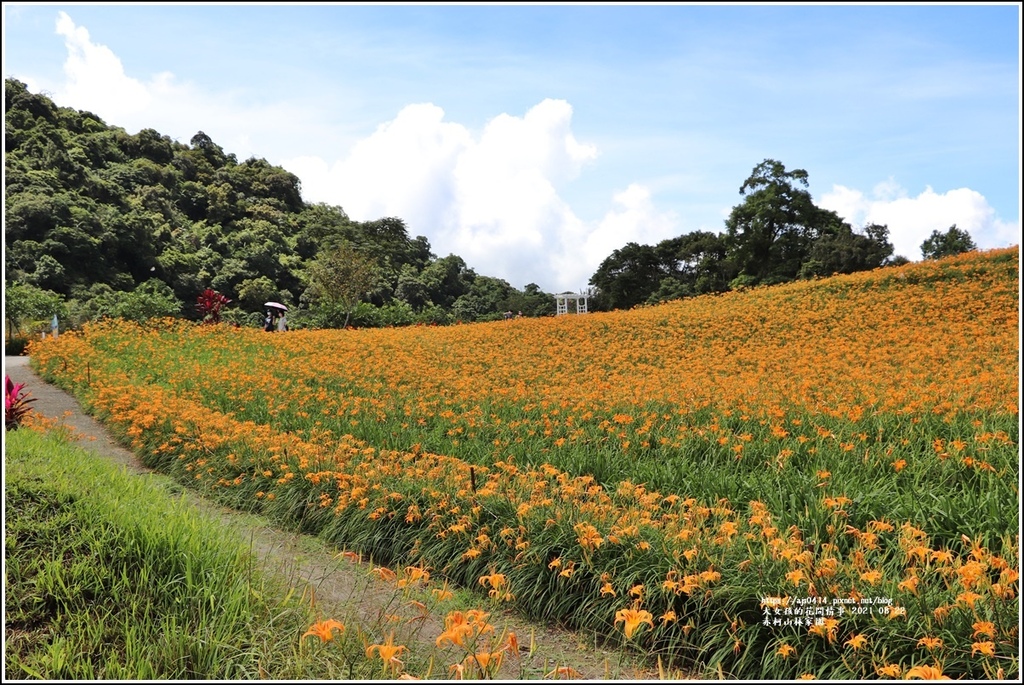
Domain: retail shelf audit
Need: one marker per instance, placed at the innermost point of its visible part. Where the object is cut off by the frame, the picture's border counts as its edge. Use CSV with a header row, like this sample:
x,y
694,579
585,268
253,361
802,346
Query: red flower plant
x,y
209,304
15,404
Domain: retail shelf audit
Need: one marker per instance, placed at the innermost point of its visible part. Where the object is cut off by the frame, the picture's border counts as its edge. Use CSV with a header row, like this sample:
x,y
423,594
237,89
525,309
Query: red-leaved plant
x,y
16,403
209,304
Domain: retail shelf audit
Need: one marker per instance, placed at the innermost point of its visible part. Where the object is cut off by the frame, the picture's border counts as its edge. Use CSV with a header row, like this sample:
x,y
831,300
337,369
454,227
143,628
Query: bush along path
x,y
399,618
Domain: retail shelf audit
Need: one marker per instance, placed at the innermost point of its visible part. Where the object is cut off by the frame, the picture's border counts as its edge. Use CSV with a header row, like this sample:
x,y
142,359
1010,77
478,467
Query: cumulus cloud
x,y
96,79
911,220
635,219
402,169
493,198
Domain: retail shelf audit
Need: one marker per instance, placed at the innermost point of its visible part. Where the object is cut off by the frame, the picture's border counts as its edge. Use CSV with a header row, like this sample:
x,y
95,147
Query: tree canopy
x,y
953,241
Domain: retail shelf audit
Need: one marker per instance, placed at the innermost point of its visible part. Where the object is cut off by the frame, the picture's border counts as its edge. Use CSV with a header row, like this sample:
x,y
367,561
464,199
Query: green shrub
x,y
16,346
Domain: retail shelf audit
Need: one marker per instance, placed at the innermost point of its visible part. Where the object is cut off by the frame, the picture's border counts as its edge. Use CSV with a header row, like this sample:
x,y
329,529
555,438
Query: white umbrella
x,y
275,305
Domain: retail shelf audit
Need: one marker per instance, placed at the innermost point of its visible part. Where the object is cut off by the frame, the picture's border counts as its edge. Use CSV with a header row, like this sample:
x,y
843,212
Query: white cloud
x,y
492,199
635,220
507,212
911,220
95,76
403,169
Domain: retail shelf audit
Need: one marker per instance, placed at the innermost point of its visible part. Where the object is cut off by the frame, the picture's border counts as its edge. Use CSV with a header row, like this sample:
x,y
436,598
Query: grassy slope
x,y
111,577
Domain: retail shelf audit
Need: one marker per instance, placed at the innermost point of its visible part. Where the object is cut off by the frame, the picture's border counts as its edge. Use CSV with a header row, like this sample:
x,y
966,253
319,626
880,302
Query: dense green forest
x,y
100,222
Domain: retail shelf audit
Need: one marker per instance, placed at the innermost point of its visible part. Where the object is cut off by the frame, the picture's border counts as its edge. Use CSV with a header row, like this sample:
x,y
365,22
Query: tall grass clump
x,y
815,478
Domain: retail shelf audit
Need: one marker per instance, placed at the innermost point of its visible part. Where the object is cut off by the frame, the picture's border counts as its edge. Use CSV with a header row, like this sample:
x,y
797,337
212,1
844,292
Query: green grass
x,y
110,576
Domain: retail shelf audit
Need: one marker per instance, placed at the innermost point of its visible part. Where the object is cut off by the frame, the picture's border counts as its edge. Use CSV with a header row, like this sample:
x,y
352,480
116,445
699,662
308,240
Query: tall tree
x,y
532,301
487,298
446,279
697,263
24,303
771,232
952,242
338,279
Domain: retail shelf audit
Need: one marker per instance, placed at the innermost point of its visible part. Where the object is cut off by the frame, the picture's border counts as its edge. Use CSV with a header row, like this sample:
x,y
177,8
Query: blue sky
x,y
533,140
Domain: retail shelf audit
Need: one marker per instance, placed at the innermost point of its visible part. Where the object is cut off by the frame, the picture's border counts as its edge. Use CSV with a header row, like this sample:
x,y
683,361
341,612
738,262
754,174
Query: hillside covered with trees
x,y
103,223
100,222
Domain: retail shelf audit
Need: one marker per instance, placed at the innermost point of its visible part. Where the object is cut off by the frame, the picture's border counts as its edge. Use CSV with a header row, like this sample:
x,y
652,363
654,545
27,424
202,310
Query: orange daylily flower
x,y
414,575
388,651
633,618
909,584
512,644
986,628
325,629
563,672
889,670
926,673
826,628
385,573
442,593
497,583
856,642
483,662
493,580
967,598
463,626
871,577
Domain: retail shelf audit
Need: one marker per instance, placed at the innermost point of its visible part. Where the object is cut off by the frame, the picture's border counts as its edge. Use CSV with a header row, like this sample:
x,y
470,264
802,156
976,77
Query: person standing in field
x,y
268,322
282,325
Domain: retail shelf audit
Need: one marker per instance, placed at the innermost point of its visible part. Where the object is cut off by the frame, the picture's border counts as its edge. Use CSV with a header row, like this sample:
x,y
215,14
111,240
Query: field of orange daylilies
x,y
813,479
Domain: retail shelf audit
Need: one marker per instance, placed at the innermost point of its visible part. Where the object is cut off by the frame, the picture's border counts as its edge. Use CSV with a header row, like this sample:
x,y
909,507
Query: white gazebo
x,y
562,303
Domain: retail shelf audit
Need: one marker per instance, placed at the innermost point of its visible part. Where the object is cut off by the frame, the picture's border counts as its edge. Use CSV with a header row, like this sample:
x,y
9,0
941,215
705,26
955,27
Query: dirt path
x,y
341,587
